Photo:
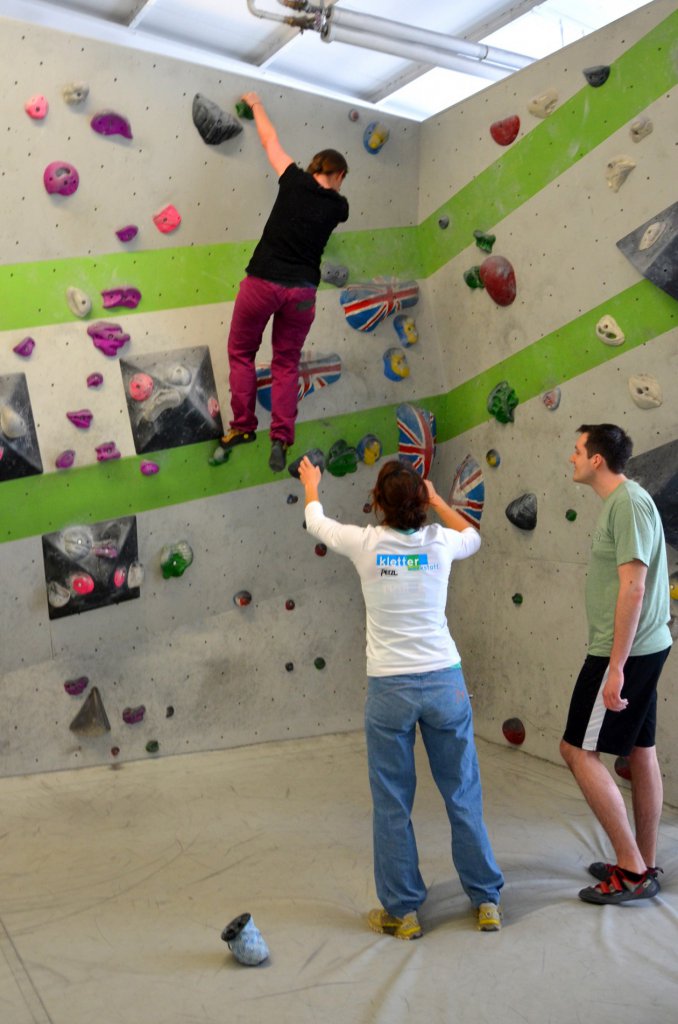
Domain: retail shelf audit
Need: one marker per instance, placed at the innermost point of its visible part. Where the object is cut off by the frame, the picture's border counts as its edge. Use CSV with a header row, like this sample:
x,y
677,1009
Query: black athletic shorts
x,y
591,726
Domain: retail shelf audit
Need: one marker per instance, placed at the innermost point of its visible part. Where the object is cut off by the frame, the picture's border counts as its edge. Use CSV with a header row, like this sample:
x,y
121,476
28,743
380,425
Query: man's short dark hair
x,y
610,441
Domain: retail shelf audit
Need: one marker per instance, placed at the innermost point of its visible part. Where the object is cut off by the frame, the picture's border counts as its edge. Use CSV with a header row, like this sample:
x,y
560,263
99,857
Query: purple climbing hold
x,y
65,460
149,468
24,348
76,686
61,177
81,418
108,338
128,297
127,233
107,451
95,380
131,716
110,123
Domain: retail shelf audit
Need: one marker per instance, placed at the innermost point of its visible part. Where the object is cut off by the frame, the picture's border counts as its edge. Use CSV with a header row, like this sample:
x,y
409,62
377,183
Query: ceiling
x,y
397,66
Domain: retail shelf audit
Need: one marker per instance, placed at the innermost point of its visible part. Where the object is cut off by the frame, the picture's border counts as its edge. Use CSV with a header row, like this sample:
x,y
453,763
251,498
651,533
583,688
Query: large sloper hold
x,y
214,124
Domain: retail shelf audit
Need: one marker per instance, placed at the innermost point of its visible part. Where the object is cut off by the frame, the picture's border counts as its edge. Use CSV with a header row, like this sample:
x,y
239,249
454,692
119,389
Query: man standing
x,y
614,704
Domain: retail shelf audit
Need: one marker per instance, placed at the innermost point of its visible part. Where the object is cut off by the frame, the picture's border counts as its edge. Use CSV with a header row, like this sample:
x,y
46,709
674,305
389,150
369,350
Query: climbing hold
x,y
162,400
107,451
74,687
289,666
484,240
135,575
354,115
77,541
149,468
119,576
243,109
499,279
108,338
321,550
641,128
12,424
175,558
514,731
24,348
214,124
132,716
597,75
622,767
366,305
152,747
369,449
570,515
319,663
36,107
179,375
645,390
609,331
467,495
506,131
443,223
517,598
127,233
653,232
60,177
289,604
57,595
80,418
65,460
75,92
81,584
109,123
127,297
168,219
543,104
473,278
314,374
341,459
367,507
551,399
245,941
105,548
91,719
292,499
406,329
242,598
95,380
334,273
375,136
115,751
314,455
213,407
522,511
617,171
493,458
396,366
78,301
416,437
141,386
169,711
501,402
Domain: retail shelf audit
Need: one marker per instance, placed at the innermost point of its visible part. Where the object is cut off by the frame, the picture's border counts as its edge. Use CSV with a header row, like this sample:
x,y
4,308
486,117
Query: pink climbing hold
x,y
499,279
141,386
213,407
127,233
36,107
24,348
81,418
505,132
95,380
119,576
61,177
110,123
128,297
81,584
133,715
149,468
65,460
168,219
108,338
107,451
74,687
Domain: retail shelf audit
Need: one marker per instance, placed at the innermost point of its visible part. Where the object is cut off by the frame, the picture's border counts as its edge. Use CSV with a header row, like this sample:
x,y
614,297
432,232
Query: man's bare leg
x,y
647,792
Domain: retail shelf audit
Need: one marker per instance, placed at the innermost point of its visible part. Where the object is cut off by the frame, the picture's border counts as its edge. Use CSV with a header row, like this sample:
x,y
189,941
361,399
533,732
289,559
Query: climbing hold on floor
x,y
366,305
319,663
506,131
472,277
75,92
501,402
132,716
321,549
91,719
492,458
214,124
108,338
127,297
334,273
396,366
484,240
570,515
148,468
24,348
80,418
641,128
499,279
622,767
467,495
242,598
74,687
314,455
65,460
375,136
514,731
617,171
406,329
416,437
107,451
78,301
645,390
95,380
543,104
175,558
61,177
522,511
36,107
107,122
168,219
341,459
290,605
369,449
597,75
551,399
245,941
127,233
609,331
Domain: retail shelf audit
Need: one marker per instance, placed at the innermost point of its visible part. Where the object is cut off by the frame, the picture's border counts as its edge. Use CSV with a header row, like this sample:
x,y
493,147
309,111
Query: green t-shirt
x,y
628,528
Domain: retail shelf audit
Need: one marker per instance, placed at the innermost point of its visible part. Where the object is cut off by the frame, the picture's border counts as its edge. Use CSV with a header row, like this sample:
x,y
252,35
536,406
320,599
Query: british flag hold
x,y
366,305
416,437
467,496
314,374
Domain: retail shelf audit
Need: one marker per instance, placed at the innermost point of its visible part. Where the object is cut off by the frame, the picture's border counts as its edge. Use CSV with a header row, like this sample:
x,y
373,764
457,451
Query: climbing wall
x,y
517,608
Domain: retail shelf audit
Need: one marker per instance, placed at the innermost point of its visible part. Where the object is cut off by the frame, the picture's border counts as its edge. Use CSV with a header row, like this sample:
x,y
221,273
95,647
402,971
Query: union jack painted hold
x,y
366,305
467,496
314,374
416,437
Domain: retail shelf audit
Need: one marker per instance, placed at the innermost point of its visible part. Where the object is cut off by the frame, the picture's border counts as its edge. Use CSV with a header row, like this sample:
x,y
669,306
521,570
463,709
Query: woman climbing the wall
x,y
414,676
281,281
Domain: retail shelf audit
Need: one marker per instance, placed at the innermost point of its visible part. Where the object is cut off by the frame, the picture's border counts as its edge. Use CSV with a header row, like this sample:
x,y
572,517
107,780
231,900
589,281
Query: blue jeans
x,y
439,702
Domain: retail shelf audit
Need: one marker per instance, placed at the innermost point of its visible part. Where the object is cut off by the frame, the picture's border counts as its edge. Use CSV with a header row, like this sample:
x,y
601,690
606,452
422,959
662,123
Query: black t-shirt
x,y
303,217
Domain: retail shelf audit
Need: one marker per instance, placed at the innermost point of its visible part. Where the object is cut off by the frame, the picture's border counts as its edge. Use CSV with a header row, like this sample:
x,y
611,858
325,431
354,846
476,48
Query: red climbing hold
x,y
514,731
504,132
499,279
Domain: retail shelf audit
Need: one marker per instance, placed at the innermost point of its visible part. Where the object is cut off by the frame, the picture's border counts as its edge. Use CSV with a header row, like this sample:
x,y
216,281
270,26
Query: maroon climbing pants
x,y
293,310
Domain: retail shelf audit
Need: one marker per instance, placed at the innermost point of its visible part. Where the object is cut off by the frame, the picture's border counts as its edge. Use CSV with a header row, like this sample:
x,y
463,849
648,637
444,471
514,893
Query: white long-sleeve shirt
x,y
404,579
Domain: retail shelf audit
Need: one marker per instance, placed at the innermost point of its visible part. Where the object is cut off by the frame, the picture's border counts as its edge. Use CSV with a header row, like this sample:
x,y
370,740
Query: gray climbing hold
x,y
91,719
214,124
334,273
597,75
522,511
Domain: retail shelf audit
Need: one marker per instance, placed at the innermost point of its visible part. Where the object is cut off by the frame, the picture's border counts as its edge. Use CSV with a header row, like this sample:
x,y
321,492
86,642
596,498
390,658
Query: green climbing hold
x,y
517,598
152,747
342,459
484,241
570,515
319,663
243,109
501,402
472,278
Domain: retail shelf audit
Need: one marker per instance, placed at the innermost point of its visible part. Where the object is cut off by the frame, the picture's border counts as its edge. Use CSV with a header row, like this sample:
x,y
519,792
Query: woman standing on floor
x,y
414,675
281,282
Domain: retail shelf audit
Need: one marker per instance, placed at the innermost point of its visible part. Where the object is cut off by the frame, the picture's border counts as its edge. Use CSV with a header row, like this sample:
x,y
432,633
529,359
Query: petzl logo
x,y
410,562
